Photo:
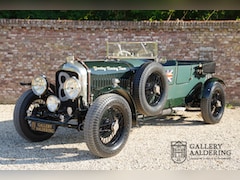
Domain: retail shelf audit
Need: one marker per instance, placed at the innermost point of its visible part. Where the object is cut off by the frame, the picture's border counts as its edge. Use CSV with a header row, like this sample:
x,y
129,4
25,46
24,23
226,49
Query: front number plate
x,y
42,127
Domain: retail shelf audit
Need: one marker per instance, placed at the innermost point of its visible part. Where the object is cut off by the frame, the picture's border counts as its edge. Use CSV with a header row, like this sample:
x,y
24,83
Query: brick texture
x,y
31,47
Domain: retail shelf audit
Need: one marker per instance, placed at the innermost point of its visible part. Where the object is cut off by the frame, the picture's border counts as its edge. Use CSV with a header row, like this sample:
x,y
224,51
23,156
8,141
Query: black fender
x,y
122,92
208,86
194,96
51,86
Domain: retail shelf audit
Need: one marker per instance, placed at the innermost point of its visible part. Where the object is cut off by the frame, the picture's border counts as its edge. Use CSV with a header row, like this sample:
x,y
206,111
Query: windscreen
x,y
133,50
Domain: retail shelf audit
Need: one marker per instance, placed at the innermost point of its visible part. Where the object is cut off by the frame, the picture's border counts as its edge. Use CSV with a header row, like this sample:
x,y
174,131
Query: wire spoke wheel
x,y
216,104
153,89
111,126
34,109
150,89
212,106
29,105
107,125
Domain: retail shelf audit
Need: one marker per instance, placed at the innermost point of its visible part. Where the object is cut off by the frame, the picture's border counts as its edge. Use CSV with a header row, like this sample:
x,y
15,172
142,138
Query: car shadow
x,y
66,145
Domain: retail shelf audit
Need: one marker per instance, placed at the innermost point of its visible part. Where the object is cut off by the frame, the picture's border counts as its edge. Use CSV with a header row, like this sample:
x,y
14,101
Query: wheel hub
x,y
111,132
115,127
156,89
218,103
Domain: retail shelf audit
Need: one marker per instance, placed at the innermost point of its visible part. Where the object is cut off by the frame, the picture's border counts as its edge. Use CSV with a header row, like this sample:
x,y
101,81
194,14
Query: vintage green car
x,y
106,98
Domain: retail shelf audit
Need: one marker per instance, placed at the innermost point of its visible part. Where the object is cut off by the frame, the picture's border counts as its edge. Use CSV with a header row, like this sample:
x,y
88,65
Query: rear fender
x,y
208,86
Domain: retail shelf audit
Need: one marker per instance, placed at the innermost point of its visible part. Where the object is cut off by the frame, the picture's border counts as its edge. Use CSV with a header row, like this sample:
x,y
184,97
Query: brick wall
x,y
30,47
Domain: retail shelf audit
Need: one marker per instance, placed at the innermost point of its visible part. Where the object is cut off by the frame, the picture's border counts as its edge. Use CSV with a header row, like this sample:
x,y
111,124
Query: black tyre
x,y
26,106
212,107
150,89
107,125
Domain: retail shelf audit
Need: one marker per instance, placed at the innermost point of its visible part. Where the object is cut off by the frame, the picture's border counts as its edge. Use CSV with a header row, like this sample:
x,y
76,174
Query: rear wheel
x,y
107,125
212,107
27,105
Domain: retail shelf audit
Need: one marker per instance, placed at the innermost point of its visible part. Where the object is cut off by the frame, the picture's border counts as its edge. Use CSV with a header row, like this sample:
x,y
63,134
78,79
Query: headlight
x,y
53,103
72,88
39,85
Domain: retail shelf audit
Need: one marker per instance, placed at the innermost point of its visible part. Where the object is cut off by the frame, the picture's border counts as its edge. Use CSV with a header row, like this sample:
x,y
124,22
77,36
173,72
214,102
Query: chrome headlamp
x,y
39,85
53,103
72,88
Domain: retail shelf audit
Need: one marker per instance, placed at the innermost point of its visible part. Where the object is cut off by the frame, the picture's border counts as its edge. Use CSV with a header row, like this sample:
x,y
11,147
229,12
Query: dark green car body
x,y
184,78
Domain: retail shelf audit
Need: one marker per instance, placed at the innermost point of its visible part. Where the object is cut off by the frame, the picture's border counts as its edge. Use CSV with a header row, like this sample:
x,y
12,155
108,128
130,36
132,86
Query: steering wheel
x,y
124,53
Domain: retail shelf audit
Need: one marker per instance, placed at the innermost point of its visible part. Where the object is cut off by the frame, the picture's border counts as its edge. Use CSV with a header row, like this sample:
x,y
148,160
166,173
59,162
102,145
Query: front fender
x,y
122,92
208,86
51,86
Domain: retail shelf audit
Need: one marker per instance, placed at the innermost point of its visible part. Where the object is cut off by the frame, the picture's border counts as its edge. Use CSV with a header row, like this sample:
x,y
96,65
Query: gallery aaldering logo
x,y
198,151
178,151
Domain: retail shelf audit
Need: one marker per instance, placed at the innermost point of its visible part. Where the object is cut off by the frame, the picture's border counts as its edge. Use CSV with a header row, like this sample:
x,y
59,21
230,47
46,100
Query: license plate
x,y
42,127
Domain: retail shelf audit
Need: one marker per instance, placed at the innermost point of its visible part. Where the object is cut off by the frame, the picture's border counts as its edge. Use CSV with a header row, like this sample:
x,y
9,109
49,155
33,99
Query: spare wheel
x,y
150,87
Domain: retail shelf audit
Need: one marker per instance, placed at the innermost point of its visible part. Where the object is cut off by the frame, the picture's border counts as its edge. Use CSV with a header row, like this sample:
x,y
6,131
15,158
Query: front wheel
x,y
27,105
212,107
107,125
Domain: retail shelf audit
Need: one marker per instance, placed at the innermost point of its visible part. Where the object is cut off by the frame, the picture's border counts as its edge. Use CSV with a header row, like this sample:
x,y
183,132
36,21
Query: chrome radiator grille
x,y
61,77
100,81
